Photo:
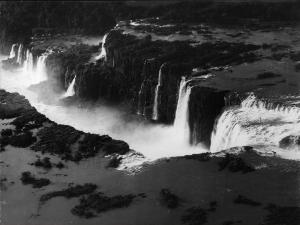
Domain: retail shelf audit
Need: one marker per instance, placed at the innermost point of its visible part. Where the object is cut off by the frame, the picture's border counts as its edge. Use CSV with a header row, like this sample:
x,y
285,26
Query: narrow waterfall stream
x,y
155,115
103,50
70,91
12,53
182,112
19,54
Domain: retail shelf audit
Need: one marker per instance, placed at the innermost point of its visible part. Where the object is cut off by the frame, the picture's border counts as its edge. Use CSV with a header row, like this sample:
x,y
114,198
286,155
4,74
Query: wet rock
x,y
96,203
279,215
168,199
70,192
290,142
28,178
235,164
246,201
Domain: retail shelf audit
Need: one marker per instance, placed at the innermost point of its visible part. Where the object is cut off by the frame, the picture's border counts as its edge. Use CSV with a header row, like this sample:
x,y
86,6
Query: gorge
x,y
123,107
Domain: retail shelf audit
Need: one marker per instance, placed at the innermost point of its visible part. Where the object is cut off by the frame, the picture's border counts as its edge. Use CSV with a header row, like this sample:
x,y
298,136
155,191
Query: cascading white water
x,y
254,122
12,53
40,73
153,141
28,62
103,50
70,91
19,56
155,115
182,113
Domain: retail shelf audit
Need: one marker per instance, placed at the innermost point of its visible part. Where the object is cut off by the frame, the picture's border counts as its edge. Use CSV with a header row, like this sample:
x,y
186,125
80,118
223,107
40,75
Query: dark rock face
x,y
62,67
204,106
290,142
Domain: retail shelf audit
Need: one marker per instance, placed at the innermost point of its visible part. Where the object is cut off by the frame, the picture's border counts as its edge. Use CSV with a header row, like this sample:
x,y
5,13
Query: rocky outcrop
x,y
61,140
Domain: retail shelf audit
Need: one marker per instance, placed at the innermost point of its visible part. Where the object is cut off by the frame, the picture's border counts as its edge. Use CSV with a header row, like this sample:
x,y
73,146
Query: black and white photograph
x,y
162,112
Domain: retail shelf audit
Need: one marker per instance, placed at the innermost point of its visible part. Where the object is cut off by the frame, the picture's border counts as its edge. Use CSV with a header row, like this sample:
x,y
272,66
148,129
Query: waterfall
x,y
225,132
181,123
156,96
70,91
140,104
103,50
12,53
40,73
254,122
19,56
28,62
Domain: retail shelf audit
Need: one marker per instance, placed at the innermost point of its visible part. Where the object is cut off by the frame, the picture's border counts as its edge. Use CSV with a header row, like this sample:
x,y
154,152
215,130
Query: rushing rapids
x,y
255,122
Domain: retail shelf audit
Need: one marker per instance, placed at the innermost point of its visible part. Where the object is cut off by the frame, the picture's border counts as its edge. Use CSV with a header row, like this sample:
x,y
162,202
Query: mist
x,y
152,140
